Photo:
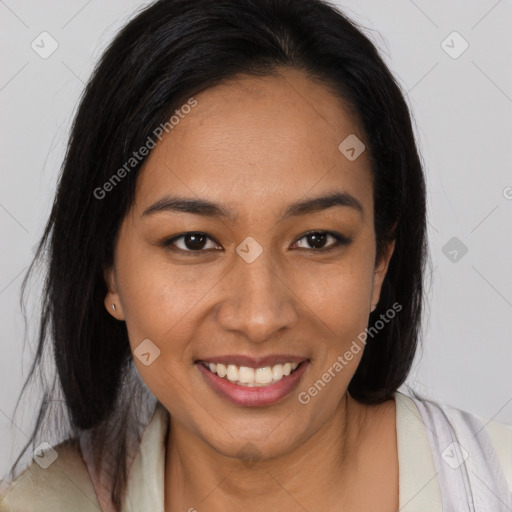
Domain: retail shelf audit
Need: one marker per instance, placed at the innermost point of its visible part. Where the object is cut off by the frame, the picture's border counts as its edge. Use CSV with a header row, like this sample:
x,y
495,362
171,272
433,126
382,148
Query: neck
x,y
319,471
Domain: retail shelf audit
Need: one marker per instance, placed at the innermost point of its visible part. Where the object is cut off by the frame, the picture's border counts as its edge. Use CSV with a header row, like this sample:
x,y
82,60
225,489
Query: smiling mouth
x,y
252,377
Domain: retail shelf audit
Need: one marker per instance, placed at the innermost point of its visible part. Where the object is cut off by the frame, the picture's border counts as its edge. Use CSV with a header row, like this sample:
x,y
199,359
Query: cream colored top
x,y
66,485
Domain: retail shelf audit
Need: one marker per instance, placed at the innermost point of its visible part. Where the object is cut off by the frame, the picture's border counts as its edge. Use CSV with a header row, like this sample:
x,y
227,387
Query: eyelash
x,y
340,241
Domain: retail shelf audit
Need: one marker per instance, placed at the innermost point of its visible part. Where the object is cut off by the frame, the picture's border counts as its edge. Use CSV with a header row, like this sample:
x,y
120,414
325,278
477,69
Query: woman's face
x,y
251,289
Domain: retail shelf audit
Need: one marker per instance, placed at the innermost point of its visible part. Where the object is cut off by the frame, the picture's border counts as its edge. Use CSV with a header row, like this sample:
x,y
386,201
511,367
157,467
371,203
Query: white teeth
x,y
221,370
252,377
246,375
277,372
232,373
263,375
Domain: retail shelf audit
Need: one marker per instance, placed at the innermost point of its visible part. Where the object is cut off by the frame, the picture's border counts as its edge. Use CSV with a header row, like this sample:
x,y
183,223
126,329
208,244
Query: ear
x,y
379,274
112,301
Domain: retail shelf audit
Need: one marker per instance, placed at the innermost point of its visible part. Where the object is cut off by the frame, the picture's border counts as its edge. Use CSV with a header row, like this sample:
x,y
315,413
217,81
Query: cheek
x,y
340,293
161,305
158,297
340,298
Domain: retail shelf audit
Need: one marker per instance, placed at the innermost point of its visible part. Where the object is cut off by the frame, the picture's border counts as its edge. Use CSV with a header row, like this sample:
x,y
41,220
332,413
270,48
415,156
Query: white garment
x,y
66,485
470,464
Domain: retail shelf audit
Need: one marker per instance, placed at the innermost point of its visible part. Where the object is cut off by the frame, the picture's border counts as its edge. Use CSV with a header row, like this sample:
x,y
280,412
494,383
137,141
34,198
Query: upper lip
x,y
253,362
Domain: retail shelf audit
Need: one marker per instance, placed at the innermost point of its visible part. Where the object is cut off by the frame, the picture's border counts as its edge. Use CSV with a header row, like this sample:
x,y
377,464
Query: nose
x,y
258,302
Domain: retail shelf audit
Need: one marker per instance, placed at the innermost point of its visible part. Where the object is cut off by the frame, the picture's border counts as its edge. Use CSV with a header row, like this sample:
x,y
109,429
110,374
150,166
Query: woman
x,y
234,294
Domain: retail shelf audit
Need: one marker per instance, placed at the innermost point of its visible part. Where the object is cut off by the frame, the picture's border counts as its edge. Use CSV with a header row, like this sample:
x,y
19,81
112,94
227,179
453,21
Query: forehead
x,y
258,139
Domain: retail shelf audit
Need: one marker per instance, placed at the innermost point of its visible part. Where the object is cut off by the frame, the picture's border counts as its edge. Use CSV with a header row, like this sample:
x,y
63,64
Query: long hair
x,y
171,51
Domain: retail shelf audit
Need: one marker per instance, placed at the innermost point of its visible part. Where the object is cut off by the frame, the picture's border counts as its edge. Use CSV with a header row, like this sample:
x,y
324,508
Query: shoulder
x,y
58,481
501,437
499,434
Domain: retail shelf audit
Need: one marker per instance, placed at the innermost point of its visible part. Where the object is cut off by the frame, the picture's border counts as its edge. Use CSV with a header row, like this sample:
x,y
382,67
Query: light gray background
x,y
463,112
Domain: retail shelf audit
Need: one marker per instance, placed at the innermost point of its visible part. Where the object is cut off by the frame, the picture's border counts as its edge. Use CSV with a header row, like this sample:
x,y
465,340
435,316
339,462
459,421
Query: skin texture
x,y
255,145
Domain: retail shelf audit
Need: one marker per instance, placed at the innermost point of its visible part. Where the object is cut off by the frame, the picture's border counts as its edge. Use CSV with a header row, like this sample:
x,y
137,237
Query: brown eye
x,y
191,242
317,240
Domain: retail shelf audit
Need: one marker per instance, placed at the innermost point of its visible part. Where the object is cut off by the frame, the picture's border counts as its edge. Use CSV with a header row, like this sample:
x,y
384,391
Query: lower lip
x,y
255,396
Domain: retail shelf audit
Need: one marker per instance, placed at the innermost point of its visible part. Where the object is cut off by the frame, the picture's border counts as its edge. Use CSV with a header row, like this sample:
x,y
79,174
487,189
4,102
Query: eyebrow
x,y
211,209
